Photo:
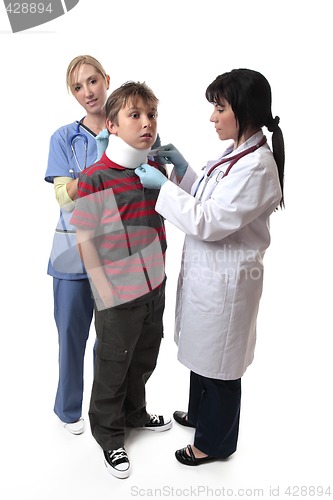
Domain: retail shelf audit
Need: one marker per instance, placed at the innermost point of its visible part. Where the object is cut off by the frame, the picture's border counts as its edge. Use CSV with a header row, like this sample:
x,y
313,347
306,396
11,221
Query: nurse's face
x,y
90,88
225,122
136,124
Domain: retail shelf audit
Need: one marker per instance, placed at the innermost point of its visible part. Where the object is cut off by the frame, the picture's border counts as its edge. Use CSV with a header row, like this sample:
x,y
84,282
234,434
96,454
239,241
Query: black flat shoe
x,y
181,418
190,459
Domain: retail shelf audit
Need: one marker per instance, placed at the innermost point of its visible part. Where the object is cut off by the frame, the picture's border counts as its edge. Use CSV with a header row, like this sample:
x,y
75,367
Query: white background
x,y
178,48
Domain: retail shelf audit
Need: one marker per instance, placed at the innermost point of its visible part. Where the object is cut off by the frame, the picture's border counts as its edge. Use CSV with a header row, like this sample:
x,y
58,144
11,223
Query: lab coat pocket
x,y
208,292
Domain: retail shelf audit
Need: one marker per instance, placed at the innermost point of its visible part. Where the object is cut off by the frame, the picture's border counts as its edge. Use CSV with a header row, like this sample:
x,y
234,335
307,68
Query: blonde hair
x,y
75,65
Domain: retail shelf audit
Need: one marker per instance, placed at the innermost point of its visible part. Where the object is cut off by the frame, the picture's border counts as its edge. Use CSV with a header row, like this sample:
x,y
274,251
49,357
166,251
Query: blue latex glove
x,y
170,154
150,177
102,141
157,143
154,147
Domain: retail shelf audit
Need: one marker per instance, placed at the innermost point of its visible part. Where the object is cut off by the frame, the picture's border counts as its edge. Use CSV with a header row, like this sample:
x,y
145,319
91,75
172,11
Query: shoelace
x,y
118,454
154,419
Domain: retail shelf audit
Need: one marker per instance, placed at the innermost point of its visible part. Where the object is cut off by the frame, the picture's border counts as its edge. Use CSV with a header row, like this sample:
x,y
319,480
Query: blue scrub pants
x,y
214,409
73,312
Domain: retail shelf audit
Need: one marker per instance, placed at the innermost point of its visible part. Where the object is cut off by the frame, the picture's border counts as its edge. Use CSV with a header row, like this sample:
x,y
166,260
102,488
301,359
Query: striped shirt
x,y
129,234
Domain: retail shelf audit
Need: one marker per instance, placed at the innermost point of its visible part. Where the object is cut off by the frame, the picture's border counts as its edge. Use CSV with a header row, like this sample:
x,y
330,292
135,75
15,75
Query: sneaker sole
x,y
120,474
160,428
76,433
77,428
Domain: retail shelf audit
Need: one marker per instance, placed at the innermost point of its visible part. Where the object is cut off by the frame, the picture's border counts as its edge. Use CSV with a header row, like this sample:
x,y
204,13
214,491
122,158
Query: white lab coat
x,y
220,281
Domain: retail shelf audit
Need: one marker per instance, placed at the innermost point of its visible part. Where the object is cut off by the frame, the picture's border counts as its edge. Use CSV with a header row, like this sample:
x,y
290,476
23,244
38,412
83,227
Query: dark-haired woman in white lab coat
x,y
225,216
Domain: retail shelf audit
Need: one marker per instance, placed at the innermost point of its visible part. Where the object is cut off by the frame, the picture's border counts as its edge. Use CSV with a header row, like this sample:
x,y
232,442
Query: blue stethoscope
x,y
78,136
232,160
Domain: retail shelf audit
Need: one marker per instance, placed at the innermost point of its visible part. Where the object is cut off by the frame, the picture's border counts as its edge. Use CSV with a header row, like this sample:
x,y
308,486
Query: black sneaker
x,y
157,423
117,462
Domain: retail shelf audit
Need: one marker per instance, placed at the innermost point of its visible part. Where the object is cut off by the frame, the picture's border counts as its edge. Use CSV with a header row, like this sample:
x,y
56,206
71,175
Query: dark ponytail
x,y
278,150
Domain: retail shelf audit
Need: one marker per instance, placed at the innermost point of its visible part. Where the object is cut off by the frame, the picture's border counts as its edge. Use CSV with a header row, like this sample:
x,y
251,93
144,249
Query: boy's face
x,y
137,124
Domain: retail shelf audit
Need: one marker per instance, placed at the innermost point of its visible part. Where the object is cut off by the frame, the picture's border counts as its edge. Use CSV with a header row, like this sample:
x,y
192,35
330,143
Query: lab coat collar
x,y
230,151
252,141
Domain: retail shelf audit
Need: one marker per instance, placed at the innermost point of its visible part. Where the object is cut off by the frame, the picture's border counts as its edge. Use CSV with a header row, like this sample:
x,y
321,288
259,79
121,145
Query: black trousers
x,y
128,346
214,410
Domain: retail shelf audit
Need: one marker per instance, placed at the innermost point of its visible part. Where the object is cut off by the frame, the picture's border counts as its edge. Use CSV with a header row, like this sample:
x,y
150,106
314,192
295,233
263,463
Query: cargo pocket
x,y
109,353
112,364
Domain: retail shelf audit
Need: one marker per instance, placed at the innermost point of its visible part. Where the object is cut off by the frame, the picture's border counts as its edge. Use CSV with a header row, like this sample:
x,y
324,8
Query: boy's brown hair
x,y
128,92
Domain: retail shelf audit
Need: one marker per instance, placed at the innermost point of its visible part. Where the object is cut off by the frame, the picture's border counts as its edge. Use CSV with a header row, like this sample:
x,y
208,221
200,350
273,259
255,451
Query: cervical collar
x,y
125,155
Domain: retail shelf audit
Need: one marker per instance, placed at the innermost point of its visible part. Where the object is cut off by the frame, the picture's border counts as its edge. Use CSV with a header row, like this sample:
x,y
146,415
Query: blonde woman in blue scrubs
x,y
72,148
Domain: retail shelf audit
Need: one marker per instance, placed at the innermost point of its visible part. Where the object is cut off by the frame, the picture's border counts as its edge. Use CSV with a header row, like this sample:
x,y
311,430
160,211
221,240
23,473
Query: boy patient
x,y
122,243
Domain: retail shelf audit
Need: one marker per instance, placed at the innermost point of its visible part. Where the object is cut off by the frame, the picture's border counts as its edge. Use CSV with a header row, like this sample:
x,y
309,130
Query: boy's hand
x,y
150,177
170,154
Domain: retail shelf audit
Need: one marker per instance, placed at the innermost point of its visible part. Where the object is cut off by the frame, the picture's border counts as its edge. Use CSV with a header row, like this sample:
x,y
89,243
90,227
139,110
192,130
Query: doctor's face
x,y
225,122
90,88
136,124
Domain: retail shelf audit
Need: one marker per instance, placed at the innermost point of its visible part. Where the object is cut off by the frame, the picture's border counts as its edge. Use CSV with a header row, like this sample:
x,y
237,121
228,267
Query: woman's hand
x,y
170,154
102,141
150,177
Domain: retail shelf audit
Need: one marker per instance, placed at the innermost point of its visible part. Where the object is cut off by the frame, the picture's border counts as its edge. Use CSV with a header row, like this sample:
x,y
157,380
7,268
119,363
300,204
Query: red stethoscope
x,y
232,160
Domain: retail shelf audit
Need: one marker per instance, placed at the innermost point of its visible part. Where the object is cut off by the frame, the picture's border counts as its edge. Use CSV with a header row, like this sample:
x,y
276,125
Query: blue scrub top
x,y
61,160
64,262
